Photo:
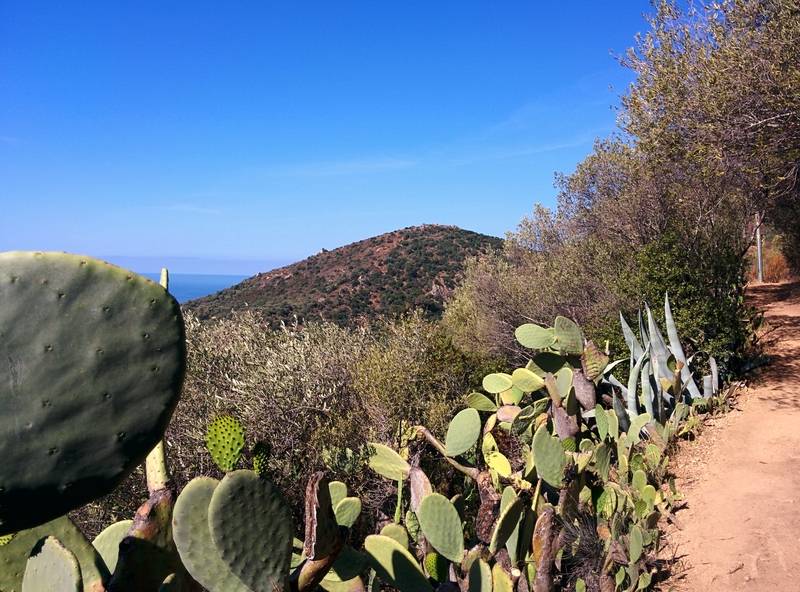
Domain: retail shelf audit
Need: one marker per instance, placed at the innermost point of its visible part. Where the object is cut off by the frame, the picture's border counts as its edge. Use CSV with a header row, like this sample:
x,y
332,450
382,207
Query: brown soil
x,y
741,477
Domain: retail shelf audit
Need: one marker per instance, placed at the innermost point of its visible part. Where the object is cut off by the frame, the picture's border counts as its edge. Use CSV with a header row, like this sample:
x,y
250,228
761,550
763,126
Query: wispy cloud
x,y
520,151
361,166
8,140
188,209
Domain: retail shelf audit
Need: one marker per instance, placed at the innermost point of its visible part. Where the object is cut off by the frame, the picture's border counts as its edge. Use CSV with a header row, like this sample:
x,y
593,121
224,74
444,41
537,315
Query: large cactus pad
x,y
91,364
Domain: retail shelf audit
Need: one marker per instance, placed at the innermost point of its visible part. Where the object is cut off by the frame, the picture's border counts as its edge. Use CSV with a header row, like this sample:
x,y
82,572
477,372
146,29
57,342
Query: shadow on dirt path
x,y
741,478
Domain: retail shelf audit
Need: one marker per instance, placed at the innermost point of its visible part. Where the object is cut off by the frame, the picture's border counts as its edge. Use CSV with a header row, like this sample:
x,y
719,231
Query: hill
x,y
384,275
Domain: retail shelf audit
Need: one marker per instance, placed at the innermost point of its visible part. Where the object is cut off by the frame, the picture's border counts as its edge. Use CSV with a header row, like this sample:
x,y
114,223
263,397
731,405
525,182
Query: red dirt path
x,y
741,478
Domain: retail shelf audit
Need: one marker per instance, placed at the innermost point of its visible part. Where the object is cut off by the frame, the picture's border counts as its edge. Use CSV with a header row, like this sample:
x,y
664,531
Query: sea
x,y
188,286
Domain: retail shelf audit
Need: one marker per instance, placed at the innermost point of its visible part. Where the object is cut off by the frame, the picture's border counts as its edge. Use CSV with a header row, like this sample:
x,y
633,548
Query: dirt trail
x,y
741,478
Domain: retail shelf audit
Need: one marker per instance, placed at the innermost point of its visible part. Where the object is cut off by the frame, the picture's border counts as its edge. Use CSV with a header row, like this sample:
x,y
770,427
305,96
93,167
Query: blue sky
x,y
237,136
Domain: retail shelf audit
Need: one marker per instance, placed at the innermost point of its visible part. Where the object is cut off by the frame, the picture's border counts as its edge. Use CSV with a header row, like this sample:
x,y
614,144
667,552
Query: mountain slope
x,y
384,275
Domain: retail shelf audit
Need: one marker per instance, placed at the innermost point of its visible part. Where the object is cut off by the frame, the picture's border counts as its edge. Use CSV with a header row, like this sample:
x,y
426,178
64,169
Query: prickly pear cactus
x,y
52,567
14,555
225,441
91,365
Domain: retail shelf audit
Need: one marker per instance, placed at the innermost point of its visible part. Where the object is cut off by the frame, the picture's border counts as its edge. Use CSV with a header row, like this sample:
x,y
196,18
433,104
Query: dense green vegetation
x,y
387,275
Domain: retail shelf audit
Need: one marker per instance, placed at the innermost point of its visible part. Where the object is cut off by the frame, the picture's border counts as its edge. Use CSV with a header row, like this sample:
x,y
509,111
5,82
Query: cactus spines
x,y
91,365
52,567
260,456
441,525
463,432
437,567
225,442
395,565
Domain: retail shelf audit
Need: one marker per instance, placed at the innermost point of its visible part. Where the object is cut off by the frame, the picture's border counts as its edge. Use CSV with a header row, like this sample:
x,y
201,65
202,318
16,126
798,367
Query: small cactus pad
x,y
497,382
192,536
260,455
338,492
15,554
569,339
480,577
438,567
635,543
463,432
506,524
107,542
548,457
526,380
441,524
593,361
395,565
535,337
481,402
225,441
349,564
251,527
501,581
92,360
347,511
52,568
396,532
387,463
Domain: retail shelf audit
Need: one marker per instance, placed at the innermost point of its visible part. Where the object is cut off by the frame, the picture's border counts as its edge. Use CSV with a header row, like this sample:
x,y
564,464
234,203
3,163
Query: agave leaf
x,y
677,350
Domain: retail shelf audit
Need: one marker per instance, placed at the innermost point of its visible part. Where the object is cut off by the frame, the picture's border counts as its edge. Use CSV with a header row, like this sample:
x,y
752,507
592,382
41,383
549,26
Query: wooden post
x,y
760,254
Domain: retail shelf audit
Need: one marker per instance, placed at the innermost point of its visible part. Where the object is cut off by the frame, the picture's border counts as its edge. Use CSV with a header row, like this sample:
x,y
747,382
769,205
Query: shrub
x,y
314,395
